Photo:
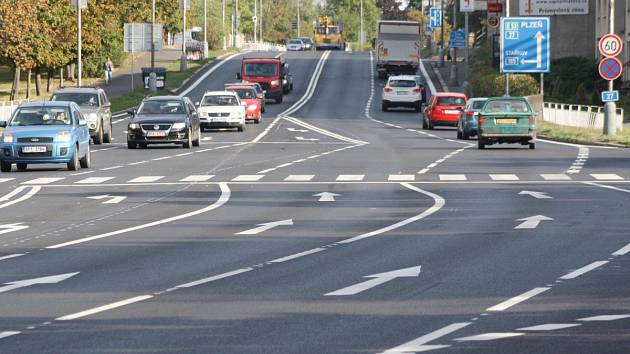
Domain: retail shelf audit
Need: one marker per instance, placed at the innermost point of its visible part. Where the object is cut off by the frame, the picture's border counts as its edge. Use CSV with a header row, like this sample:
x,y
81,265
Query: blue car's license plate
x,y
33,149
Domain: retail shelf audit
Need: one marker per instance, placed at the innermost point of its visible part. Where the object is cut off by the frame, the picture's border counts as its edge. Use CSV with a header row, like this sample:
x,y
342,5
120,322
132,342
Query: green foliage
x,y
347,11
520,85
573,80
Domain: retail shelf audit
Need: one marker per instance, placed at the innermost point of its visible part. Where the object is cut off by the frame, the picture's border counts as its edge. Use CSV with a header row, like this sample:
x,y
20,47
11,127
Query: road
x,y
331,227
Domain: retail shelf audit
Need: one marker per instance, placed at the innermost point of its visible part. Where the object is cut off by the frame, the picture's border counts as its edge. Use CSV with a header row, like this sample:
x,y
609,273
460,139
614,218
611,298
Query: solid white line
x,y
576,273
517,299
310,88
604,318
549,327
622,251
12,256
575,145
296,178
438,204
247,178
103,308
94,180
43,180
607,187
215,278
489,336
297,255
6,334
225,196
412,346
137,163
145,179
207,73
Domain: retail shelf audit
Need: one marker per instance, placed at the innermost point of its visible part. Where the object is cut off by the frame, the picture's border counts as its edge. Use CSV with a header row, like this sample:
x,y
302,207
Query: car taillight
x,y
417,90
470,114
480,120
387,89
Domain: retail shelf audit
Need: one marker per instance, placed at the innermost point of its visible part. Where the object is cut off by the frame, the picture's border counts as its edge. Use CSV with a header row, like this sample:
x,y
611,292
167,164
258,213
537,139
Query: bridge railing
x,y
575,115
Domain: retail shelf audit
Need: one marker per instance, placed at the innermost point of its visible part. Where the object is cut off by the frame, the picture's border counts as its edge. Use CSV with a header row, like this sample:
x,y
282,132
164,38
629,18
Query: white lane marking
x,y
432,165
607,187
324,131
326,196
576,273
206,138
549,327
417,344
606,176
266,131
266,226
297,130
578,145
377,279
15,255
531,222
504,177
537,195
137,163
604,318
6,228
247,178
145,179
94,180
33,190
285,165
111,199
196,178
301,138
297,255
6,334
43,180
203,77
438,204
82,173
2,180
184,154
111,168
423,171
161,158
401,178
622,251
350,178
214,278
555,177
52,279
103,308
453,178
310,89
297,178
223,198
517,299
489,336
267,170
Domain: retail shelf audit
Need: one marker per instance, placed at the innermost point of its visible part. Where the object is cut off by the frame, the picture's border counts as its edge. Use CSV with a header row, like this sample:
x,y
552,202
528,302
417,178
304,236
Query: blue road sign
x,y
525,45
610,96
457,39
435,18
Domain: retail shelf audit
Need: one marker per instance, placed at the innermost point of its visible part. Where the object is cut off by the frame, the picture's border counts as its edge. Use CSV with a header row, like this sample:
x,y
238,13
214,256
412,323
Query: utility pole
x,y
361,34
205,28
255,21
183,61
298,18
79,59
152,75
610,108
466,52
261,22
223,24
442,33
453,75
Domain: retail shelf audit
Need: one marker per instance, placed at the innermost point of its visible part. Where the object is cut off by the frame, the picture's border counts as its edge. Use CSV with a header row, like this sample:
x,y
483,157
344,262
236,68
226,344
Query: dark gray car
x,y
95,106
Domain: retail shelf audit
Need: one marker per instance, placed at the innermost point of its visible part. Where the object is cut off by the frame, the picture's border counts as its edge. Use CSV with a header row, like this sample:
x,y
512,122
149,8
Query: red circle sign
x,y
610,45
610,68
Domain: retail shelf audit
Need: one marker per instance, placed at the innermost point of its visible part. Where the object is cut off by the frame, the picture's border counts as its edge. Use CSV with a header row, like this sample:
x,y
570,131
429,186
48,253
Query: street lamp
x,y
79,5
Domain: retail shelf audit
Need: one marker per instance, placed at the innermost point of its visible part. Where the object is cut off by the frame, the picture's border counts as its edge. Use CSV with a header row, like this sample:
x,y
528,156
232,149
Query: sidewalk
x,y
121,78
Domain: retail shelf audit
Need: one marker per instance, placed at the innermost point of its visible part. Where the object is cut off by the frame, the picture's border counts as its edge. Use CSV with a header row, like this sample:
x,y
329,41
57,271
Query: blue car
x,y
45,132
467,125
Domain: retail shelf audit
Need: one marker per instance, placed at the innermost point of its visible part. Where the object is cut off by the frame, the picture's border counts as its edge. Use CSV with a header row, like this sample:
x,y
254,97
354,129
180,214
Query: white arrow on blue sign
x,y
525,45
610,96
435,18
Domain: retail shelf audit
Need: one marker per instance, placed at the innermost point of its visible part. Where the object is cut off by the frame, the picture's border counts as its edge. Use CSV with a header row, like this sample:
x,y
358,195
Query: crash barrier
x,y
7,108
271,47
575,115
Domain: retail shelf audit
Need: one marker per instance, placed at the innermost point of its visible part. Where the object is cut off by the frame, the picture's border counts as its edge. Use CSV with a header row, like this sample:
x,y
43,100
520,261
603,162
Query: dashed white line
x,y
247,178
103,308
549,327
606,176
15,255
504,177
622,251
196,178
350,178
555,177
137,163
94,180
299,178
517,299
489,336
146,179
214,278
604,318
6,334
297,255
453,178
111,168
418,344
43,180
401,178
576,273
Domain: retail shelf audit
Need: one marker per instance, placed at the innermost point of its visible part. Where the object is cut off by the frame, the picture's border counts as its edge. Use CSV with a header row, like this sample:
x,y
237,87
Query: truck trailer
x,y
397,48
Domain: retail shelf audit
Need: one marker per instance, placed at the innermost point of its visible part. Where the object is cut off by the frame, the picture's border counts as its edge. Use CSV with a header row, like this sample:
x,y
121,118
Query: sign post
x,y
466,6
610,68
79,5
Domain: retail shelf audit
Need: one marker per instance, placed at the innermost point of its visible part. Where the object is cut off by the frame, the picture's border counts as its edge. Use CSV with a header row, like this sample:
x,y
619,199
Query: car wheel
x,y
5,166
465,136
188,143
107,137
131,145
424,123
430,125
257,121
143,145
418,106
197,141
459,134
73,164
21,166
86,161
384,107
279,99
98,138
532,146
481,143
241,127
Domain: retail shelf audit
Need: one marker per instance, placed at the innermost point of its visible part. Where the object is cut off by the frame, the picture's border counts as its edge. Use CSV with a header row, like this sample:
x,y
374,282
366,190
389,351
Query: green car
x,y
507,120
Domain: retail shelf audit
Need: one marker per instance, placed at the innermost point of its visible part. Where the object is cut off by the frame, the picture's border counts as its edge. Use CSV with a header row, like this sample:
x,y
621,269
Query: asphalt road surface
x,y
331,227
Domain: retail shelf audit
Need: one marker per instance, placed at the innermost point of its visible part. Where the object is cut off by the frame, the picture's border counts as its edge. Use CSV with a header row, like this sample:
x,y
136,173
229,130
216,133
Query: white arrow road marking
x,y
53,279
301,138
266,226
297,130
531,222
417,345
6,228
537,195
113,199
379,279
7,198
326,196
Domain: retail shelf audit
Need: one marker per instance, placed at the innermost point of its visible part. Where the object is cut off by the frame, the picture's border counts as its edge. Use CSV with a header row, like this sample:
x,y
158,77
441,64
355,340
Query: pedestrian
x,y
109,69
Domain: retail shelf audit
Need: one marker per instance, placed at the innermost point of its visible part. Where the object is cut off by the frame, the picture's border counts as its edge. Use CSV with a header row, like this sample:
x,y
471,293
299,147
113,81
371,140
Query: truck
x,y
271,73
328,34
397,48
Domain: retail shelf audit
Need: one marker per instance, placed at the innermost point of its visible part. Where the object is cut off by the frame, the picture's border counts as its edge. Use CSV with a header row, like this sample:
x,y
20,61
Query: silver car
x,y
94,105
295,45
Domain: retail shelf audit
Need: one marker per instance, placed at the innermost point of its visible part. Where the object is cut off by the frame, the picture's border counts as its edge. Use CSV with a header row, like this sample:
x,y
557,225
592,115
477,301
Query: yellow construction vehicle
x,y
328,34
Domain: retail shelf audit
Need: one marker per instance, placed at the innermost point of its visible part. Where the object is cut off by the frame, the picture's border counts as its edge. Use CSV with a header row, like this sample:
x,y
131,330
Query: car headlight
x,y
179,126
63,136
91,117
251,107
284,82
237,115
133,126
275,83
7,138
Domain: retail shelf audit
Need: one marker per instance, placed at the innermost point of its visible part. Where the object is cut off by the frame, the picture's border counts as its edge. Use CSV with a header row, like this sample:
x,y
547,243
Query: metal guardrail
x,y
7,108
575,115
262,46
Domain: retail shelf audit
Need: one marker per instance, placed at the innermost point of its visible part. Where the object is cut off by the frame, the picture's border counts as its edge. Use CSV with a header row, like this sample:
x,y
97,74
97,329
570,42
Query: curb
x,y
582,142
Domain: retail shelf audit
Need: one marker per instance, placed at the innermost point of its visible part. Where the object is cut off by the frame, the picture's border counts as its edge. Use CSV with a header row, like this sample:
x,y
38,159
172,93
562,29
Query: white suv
x,y
221,109
403,91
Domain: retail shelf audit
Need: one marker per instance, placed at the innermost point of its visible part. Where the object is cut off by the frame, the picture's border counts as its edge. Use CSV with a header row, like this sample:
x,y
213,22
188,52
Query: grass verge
x,y
580,135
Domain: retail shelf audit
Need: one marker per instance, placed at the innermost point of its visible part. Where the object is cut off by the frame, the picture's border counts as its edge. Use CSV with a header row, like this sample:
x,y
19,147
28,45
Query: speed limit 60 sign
x,y
610,45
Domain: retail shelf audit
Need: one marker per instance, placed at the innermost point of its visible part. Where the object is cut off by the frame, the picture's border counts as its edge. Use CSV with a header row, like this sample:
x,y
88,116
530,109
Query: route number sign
x,y
610,96
610,45
610,68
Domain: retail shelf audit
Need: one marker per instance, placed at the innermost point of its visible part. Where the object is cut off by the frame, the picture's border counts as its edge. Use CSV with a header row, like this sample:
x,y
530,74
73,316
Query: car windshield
x,y
261,69
82,99
451,101
402,83
41,116
161,107
478,104
219,100
246,94
507,106
295,41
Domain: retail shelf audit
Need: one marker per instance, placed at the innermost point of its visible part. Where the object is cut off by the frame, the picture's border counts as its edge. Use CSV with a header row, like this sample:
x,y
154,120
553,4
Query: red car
x,y
247,94
443,109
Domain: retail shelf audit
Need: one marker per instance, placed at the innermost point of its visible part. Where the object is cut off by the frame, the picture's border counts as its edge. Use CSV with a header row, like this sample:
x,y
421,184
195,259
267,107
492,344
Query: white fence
x,y
574,115
7,108
270,47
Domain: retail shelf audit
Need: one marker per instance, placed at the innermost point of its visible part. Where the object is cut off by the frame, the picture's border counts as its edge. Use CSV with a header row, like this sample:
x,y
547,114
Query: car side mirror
x,y
197,104
239,76
82,122
131,112
3,124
